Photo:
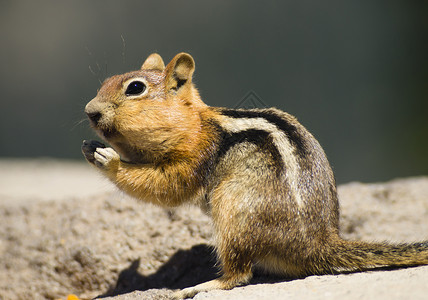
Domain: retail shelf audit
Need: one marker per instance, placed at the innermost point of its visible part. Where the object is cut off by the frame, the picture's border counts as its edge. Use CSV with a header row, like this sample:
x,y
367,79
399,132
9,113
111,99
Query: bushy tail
x,y
359,256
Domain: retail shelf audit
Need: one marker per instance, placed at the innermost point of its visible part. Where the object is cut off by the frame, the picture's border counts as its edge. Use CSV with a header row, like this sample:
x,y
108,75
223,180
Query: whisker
x,y
96,74
105,64
78,123
123,49
87,50
92,71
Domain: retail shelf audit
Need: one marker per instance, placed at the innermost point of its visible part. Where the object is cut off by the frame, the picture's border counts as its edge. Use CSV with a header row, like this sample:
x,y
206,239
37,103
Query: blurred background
x,y
355,73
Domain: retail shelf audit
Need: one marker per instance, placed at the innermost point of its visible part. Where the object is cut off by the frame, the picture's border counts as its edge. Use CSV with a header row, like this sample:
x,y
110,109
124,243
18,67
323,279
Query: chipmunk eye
x,y
135,88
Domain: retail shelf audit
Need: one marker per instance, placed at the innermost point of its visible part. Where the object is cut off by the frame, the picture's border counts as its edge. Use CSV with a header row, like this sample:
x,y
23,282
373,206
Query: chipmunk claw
x,y
89,148
98,154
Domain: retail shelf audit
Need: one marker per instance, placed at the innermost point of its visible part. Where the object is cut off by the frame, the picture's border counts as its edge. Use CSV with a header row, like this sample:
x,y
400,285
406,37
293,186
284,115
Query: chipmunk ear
x,y
153,62
179,71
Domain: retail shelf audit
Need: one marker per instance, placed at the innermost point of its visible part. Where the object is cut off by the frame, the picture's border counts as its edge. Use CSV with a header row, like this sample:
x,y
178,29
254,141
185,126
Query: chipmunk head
x,y
147,113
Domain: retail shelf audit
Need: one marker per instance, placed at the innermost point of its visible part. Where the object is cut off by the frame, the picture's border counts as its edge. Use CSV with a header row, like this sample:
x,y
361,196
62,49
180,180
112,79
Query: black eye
x,y
135,88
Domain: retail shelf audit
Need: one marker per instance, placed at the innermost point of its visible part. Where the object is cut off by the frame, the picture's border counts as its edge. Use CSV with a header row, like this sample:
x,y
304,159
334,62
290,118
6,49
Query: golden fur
x,y
260,175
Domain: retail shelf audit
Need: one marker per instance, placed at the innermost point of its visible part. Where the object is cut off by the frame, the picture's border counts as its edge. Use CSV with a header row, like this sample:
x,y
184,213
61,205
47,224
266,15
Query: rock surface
x,y
65,230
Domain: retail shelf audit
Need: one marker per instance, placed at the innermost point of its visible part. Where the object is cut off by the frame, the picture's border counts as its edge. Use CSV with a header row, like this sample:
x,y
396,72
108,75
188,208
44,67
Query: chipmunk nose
x,y
94,116
93,112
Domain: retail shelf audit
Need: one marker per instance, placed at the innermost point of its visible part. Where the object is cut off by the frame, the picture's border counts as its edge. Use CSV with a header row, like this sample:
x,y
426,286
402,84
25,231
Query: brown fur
x,y
259,173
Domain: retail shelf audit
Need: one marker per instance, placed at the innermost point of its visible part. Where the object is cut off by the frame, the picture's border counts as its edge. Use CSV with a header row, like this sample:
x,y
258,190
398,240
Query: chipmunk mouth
x,y
108,133
118,142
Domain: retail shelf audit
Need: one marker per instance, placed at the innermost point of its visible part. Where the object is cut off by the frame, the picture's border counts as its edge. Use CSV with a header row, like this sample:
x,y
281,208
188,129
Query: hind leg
x,y
236,269
235,249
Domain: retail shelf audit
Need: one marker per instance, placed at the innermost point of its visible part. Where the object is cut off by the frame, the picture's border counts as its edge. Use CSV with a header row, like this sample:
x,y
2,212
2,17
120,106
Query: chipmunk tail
x,y
359,256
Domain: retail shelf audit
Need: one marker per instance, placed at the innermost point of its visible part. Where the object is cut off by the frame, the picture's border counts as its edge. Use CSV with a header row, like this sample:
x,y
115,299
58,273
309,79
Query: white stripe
x,y
282,143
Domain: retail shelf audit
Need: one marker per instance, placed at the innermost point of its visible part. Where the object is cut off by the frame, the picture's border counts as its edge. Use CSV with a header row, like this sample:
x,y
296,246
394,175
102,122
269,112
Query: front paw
x,y
89,148
97,154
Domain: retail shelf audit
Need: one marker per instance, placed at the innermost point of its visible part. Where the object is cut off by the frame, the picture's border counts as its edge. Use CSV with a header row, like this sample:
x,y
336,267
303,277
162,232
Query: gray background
x,y
355,73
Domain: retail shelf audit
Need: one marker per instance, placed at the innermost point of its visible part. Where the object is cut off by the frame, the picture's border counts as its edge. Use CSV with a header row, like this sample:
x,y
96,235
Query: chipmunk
x,y
261,176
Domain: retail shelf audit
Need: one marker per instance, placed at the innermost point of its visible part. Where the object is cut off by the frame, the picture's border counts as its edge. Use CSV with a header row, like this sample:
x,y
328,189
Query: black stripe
x,y
225,140
290,130
260,138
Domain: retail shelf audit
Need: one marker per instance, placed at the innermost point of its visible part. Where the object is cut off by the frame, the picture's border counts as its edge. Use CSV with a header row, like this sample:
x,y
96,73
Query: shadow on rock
x,y
185,268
